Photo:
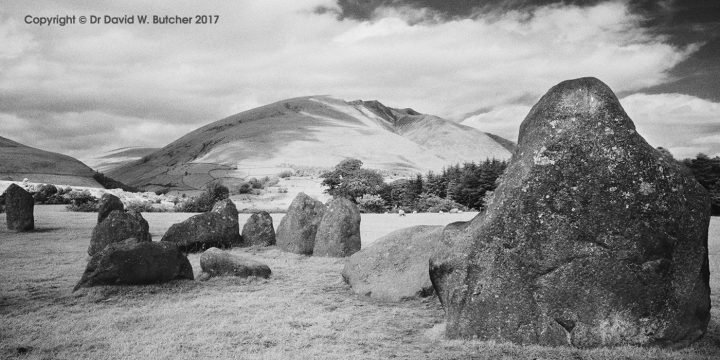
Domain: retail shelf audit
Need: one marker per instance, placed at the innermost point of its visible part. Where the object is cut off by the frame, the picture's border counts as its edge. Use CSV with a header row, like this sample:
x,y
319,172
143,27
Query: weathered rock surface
x,y
134,262
395,267
259,230
216,228
118,226
338,234
216,262
592,237
19,207
297,229
108,203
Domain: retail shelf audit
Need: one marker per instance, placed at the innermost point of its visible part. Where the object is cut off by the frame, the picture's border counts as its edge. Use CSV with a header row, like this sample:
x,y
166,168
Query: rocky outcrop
x,y
338,234
592,237
395,267
19,208
216,262
297,229
134,262
118,226
216,228
259,230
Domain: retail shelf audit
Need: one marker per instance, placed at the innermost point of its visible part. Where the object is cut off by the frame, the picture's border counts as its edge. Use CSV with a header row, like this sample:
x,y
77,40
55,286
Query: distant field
x,y
303,311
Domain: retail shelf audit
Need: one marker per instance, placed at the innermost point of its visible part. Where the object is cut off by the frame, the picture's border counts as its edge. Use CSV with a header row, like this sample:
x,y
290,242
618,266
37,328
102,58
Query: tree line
x,y
461,186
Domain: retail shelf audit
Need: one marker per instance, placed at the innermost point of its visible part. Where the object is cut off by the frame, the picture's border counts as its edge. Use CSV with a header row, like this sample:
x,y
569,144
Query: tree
x,y
351,181
706,171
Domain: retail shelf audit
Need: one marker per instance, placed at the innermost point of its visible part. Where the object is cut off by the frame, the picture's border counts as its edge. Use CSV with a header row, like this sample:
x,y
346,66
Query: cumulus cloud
x,y
684,124
161,80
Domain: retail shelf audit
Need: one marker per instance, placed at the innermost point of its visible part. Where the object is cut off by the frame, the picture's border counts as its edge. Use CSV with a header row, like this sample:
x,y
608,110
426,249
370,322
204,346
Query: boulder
x,y
216,228
135,262
108,203
259,230
216,262
19,207
395,267
118,226
592,237
338,234
297,229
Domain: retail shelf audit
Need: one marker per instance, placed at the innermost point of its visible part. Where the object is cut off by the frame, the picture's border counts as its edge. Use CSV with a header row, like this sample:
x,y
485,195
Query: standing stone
x,y
338,234
592,237
108,203
395,267
134,262
118,226
216,228
216,262
19,206
259,230
297,229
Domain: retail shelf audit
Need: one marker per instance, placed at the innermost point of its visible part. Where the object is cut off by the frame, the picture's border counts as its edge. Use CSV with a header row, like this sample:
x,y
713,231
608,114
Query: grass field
x,y
303,311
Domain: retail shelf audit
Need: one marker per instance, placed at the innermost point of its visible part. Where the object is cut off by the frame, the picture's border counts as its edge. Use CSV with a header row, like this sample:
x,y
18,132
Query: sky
x,y
83,89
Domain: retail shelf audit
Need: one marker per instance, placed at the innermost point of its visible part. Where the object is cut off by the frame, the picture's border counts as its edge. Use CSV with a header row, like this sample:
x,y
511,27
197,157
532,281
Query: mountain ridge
x,y
311,131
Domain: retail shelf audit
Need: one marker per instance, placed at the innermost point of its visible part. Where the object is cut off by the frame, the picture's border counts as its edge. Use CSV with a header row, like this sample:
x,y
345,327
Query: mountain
x,y
18,161
118,157
310,132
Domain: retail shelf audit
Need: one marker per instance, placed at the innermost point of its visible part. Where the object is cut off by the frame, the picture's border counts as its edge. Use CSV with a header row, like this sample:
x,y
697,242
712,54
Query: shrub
x,y
285,174
282,190
434,203
162,191
244,188
371,203
213,193
271,181
44,192
82,201
255,183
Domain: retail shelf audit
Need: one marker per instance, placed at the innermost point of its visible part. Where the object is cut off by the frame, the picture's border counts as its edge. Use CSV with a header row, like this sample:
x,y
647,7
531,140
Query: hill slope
x,y
317,131
18,161
118,157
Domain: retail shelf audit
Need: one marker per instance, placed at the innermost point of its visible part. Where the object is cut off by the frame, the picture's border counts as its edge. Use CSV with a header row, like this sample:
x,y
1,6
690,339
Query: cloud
x,y
117,81
504,121
684,124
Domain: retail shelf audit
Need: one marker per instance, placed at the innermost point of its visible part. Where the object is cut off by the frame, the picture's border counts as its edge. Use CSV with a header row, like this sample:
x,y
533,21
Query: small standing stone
x,y
19,206
259,230
216,262
116,227
134,262
338,234
297,229
108,203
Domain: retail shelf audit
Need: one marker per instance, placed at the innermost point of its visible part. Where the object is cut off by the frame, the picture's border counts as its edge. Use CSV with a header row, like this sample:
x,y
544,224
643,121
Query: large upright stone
x,y
134,262
593,238
118,226
395,267
19,207
338,234
216,228
259,230
108,203
297,229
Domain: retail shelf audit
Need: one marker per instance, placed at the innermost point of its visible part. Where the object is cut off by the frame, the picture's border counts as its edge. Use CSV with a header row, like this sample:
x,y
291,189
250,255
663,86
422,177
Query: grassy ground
x,y
303,311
